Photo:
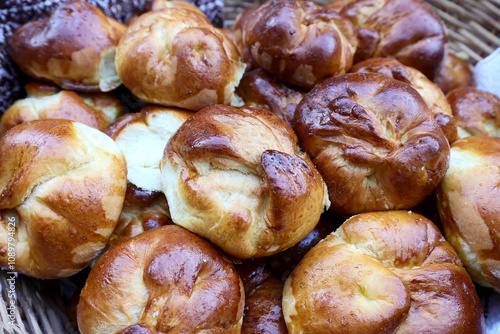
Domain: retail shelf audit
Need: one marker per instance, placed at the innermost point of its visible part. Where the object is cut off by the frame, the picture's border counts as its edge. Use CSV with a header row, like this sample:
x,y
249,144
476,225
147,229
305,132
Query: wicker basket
x,y
43,306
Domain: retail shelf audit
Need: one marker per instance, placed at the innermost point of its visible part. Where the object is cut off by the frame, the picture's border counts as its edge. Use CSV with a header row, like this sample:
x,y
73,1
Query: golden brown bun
x,y
175,57
430,92
469,205
476,111
66,182
62,105
236,36
142,138
374,141
304,45
261,88
73,47
142,210
385,272
162,4
48,101
238,178
107,103
407,30
455,73
263,295
165,280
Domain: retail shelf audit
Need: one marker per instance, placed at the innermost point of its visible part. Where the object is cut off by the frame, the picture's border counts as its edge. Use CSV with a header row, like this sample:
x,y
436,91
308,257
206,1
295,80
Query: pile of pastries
x,y
274,179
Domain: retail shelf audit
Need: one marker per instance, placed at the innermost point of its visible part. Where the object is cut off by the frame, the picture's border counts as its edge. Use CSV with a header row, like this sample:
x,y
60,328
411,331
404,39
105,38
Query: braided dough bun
x,y
304,45
384,272
430,92
142,137
175,57
476,111
73,47
162,4
165,280
46,101
236,36
374,140
238,178
66,182
108,103
468,200
63,105
407,30
455,73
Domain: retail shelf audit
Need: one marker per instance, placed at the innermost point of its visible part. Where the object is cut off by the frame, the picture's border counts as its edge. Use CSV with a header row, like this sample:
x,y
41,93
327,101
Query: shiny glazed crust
x,y
385,272
164,280
374,141
477,112
263,89
430,92
236,36
162,4
263,296
469,206
455,73
66,182
305,44
73,47
175,57
237,178
61,105
407,30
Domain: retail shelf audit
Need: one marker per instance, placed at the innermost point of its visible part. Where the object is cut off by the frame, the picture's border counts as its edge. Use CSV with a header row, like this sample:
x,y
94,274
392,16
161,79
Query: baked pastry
x,y
238,178
142,138
260,88
430,92
469,206
142,211
374,141
162,4
455,73
66,182
163,280
73,47
282,264
476,111
383,272
263,295
236,35
46,101
175,57
407,30
108,103
304,45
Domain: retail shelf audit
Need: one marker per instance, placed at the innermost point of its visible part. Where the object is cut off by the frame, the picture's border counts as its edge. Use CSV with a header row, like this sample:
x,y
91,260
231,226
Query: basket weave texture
x,y
473,31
